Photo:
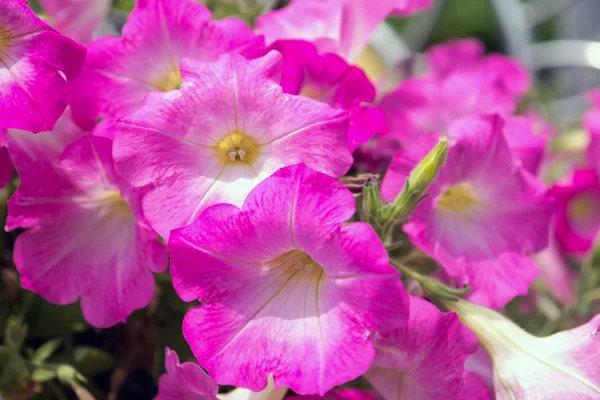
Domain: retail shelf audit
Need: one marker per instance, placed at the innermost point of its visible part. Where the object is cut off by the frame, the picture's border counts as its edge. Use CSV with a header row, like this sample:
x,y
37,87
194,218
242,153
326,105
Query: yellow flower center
x,y
312,92
170,81
298,261
583,211
5,36
372,64
236,148
458,199
114,203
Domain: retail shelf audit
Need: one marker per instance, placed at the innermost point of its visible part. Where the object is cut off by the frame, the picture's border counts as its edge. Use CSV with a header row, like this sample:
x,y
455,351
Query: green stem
x,y
407,271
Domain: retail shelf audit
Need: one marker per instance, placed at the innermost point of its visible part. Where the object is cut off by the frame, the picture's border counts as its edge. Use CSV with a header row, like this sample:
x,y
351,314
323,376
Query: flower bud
x,y
419,180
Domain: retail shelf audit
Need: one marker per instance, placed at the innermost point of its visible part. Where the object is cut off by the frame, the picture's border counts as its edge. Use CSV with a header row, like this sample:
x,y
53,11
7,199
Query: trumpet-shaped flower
x,y
328,78
425,358
84,237
480,198
228,127
35,64
561,366
288,290
185,381
343,27
78,19
120,71
453,89
578,214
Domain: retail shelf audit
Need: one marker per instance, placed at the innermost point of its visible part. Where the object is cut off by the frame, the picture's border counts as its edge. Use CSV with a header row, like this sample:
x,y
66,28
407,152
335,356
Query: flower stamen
x,y
458,199
237,147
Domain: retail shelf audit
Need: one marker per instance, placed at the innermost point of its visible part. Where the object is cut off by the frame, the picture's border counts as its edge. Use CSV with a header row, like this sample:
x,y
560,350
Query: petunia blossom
x,y
560,366
35,64
185,381
120,71
85,238
81,20
228,127
343,27
453,89
425,358
289,290
578,213
480,198
328,78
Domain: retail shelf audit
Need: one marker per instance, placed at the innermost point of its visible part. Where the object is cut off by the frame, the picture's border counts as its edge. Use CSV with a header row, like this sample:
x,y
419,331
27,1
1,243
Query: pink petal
x,y
79,19
425,359
185,381
33,67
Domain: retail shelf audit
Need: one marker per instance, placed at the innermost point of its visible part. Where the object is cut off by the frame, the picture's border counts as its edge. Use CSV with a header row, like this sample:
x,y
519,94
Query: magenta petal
x,y
338,394
578,214
286,276
80,20
33,67
25,148
425,359
185,381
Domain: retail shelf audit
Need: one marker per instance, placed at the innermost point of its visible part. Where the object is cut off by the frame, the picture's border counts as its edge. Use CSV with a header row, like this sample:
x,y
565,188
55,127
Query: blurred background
x,y
559,42
556,39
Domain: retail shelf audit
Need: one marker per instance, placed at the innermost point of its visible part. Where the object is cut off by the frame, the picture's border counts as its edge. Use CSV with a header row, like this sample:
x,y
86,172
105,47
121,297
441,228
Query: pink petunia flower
x,y
119,72
288,289
479,200
84,237
228,127
328,78
35,64
343,27
425,358
560,366
78,19
453,89
185,381
578,213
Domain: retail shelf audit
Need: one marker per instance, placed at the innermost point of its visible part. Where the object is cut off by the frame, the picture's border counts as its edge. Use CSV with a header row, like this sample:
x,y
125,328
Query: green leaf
x,y
15,333
45,351
47,320
43,374
91,360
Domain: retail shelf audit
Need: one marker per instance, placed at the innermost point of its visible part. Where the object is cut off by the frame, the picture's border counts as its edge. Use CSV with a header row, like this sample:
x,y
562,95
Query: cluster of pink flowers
x,y
213,149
